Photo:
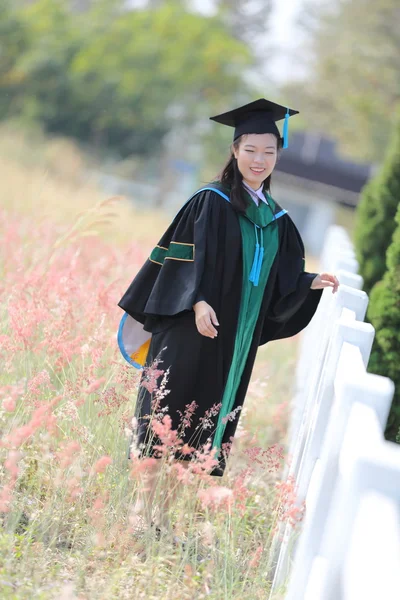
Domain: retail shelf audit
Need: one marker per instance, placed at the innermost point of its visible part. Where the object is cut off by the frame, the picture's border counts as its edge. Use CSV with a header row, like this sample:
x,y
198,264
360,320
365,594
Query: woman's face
x,y
256,157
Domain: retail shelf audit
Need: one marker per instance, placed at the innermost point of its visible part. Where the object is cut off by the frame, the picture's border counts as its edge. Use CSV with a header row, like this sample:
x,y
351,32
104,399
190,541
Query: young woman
x,y
227,276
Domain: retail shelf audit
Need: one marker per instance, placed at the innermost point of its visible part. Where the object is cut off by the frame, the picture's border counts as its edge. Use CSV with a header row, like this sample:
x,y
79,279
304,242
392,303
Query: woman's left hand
x,y
324,280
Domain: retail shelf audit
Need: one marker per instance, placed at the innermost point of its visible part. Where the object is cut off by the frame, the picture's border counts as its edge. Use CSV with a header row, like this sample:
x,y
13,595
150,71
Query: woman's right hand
x,y
205,319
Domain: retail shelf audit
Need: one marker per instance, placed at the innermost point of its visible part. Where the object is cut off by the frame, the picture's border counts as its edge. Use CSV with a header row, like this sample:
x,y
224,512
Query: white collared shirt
x,y
256,195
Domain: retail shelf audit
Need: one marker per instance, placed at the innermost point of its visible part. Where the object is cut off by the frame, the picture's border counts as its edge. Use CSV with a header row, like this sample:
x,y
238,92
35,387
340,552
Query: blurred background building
x,y
312,182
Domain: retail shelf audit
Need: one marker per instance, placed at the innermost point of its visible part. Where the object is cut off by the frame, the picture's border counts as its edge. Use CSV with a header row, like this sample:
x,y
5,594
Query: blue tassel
x,y
259,265
286,130
255,264
260,260
255,260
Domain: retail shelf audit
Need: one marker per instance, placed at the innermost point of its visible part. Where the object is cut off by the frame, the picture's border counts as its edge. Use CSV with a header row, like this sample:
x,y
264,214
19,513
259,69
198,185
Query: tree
x,y
168,67
46,91
384,314
376,212
13,43
117,77
352,82
247,21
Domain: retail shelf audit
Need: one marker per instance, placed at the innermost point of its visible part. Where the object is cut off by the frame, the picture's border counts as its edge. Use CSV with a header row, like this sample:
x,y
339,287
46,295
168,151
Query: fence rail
x,y
347,475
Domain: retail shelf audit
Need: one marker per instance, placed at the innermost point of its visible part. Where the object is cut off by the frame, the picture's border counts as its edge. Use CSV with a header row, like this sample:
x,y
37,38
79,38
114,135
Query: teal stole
x,y
260,242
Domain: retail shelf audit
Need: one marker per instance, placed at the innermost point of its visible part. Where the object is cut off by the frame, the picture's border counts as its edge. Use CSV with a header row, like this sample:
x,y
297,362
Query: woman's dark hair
x,y
232,177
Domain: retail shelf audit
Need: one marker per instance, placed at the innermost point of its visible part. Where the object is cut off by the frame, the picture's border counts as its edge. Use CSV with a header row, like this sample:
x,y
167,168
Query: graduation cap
x,y
259,116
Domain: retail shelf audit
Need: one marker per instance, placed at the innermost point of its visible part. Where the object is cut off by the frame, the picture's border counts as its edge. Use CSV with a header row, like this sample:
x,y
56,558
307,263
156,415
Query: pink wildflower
x,y
289,509
142,465
97,508
168,436
186,449
148,463
205,459
127,376
74,488
95,385
150,376
274,457
269,459
160,394
68,454
226,447
206,421
38,381
17,437
187,416
5,498
255,561
183,474
9,404
216,496
241,491
101,465
232,415
111,401
11,464
280,417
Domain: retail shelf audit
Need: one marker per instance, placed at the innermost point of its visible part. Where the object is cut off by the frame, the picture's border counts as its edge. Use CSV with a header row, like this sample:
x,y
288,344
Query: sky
x,y
285,37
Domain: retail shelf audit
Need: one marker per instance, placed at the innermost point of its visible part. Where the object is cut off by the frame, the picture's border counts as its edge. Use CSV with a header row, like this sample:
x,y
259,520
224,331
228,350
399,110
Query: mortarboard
x,y
259,116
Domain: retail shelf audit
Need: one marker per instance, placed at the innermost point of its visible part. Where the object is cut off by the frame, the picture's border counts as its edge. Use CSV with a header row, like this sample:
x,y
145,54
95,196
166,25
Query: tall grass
x,y
70,526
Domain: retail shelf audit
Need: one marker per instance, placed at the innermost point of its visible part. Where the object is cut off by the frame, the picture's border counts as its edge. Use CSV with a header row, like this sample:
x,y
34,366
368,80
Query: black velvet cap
x,y
259,116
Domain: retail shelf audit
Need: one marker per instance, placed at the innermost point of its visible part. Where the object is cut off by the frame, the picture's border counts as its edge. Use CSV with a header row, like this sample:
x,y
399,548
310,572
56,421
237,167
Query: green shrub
x,y
375,222
384,314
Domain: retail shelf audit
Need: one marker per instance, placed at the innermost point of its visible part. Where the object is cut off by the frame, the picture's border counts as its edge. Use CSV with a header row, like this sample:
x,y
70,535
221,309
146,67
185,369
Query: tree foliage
x,y
353,72
113,75
384,314
376,212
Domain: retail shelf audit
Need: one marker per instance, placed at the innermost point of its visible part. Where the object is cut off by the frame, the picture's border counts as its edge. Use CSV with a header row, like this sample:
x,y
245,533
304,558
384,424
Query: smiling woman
x,y
255,149
242,272
256,156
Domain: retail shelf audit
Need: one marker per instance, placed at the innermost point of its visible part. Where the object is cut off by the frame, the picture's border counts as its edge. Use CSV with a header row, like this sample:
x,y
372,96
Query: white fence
x,y
346,473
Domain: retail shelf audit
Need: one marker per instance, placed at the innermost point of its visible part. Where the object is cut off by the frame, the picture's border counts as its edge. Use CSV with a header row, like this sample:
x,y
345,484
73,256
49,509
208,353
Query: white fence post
x,y
339,411
372,390
367,464
314,362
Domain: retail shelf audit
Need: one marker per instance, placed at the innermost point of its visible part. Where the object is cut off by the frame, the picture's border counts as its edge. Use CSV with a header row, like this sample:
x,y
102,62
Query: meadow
x,y
70,527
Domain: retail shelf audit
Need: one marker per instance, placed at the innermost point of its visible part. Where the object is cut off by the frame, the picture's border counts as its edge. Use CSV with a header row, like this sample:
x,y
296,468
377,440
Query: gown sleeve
x,y
173,278
293,302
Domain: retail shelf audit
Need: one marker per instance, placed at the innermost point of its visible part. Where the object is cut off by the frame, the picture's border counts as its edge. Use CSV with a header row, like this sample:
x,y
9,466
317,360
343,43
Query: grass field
x,y
69,524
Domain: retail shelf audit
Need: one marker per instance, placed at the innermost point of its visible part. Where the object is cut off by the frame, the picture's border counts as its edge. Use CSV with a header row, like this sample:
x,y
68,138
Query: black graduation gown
x,y
161,297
